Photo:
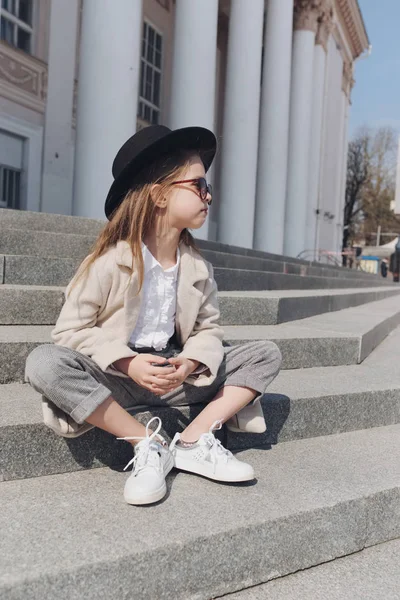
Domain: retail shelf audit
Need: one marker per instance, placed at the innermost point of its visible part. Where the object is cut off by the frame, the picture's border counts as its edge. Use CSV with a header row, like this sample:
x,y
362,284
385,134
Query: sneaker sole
x,y
155,496
182,465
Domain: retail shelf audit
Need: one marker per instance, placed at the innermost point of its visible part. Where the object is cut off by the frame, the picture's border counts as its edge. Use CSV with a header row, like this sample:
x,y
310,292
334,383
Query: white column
x,y
58,152
240,129
346,91
306,24
194,63
318,95
338,221
274,125
193,73
332,149
108,90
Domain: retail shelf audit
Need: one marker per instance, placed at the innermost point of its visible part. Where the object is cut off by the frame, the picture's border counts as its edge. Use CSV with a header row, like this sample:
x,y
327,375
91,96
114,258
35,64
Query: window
x,y
150,75
16,23
10,187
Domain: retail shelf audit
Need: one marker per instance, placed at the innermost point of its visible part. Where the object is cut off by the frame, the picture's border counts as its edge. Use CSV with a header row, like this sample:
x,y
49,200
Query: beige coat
x,y
100,314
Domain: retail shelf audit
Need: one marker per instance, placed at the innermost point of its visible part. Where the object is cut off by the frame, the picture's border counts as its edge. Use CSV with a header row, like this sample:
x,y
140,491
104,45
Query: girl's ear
x,y
157,196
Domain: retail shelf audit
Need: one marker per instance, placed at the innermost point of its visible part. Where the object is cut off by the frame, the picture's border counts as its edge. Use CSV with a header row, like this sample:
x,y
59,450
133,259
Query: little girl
x,y
139,325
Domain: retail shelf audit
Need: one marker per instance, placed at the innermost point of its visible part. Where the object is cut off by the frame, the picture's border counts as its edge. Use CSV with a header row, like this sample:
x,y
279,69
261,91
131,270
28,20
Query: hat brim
x,y
198,139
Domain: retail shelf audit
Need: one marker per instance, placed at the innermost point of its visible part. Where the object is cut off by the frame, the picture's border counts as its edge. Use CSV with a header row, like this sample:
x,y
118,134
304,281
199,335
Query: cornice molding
x,y
352,22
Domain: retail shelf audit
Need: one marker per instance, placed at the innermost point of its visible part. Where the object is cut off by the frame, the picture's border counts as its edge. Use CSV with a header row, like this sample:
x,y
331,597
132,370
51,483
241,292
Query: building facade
x,y
272,78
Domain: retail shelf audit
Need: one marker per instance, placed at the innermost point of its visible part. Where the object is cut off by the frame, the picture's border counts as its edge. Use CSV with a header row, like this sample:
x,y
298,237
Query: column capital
x,y
326,24
347,79
306,14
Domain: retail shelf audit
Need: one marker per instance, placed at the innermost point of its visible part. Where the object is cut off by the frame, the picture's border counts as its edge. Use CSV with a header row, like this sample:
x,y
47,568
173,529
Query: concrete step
x,y
275,306
367,575
349,398
64,224
48,222
41,305
37,221
45,244
255,263
242,279
339,338
15,243
50,270
41,270
313,501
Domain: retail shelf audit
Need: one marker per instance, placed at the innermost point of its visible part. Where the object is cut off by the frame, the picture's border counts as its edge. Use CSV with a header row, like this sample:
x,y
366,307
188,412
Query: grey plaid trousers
x,y
77,385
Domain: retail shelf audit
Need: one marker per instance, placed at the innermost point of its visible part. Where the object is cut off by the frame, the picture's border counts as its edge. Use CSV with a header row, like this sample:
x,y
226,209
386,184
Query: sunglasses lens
x,y
202,183
209,191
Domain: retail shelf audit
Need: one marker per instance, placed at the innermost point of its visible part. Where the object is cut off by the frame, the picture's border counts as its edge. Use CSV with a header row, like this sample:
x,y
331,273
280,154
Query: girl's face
x,y
186,209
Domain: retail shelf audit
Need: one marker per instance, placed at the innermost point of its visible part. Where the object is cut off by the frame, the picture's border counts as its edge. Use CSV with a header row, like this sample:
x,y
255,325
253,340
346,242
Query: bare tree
x,y
380,188
357,177
370,185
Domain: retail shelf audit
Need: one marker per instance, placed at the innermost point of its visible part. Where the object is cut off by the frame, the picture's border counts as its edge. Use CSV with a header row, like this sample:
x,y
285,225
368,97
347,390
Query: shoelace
x,y
141,458
215,447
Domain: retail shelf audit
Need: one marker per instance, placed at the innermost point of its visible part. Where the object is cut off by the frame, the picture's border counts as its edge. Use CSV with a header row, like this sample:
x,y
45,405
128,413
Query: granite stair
x,y
328,466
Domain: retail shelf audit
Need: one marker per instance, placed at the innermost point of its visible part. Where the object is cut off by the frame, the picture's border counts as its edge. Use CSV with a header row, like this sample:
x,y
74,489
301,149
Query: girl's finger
x,y
161,370
161,382
175,361
156,359
174,377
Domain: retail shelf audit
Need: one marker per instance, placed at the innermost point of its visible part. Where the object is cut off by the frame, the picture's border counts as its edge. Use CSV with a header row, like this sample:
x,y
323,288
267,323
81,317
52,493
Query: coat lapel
x,y
192,269
132,301
188,297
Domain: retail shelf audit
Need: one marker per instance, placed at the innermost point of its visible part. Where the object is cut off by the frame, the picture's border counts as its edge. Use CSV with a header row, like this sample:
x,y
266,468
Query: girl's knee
x,y
41,363
271,353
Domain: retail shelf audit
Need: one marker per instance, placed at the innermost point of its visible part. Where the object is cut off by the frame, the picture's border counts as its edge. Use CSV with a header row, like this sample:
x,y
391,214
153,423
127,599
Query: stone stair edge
x,y
269,268
288,420
276,277
24,402
382,308
21,215
350,397
227,279
320,340
371,573
253,294
286,261
293,527
209,245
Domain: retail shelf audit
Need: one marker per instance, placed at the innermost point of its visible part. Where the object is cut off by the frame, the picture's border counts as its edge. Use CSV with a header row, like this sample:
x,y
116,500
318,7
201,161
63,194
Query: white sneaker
x,y
150,465
249,420
209,458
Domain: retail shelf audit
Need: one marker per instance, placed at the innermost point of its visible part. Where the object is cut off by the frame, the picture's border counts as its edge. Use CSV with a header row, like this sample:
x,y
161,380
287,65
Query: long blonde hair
x,y
134,217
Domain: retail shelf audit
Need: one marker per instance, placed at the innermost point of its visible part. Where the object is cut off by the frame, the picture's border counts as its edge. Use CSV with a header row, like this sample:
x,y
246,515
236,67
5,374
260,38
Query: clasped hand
x,y
160,380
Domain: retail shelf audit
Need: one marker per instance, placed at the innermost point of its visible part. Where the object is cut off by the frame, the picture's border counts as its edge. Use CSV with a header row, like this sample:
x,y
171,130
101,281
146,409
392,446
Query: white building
x,y
272,78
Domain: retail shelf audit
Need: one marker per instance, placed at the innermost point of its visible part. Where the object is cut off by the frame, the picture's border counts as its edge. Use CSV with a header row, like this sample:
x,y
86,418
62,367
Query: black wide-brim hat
x,y
148,145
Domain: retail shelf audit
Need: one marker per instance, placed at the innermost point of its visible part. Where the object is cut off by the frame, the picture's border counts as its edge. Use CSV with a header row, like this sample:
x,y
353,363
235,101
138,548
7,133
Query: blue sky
x,y
376,94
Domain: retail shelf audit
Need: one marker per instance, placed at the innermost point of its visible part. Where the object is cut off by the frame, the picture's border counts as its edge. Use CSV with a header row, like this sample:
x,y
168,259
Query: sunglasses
x,y
202,186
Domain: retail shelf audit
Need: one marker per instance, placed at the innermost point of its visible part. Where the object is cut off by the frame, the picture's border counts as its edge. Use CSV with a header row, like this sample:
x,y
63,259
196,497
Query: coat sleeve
x,y
76,326
205,341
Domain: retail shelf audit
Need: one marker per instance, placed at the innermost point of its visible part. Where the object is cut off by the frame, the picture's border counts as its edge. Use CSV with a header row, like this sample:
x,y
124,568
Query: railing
x,y
330,258
323,256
